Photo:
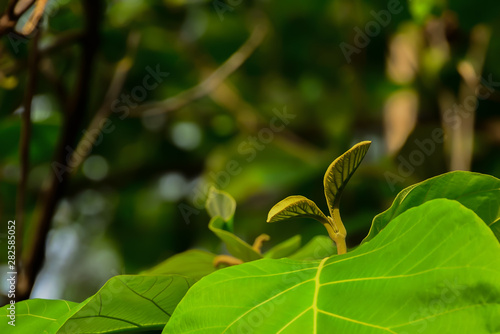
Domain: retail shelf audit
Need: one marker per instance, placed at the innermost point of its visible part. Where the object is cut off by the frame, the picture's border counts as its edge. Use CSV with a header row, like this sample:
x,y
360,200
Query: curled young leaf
x,y
296,207
340,171
220,203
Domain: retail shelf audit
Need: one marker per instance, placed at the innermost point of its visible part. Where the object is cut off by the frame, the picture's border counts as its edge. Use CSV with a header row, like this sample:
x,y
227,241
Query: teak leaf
x,y
318,248
131,303
434,267
336,177
340,171
192,263
495,227
285,248
237,247
296,207
478,192
35,315
127,303
220,203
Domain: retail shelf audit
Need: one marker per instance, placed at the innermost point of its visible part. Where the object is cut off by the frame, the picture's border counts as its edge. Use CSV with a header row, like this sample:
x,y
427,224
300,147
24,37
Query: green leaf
x,y
296,207
318,248
237,247
435,267
478,192
192,263
221,204
34,315
284,249
495,227
127,303
340,171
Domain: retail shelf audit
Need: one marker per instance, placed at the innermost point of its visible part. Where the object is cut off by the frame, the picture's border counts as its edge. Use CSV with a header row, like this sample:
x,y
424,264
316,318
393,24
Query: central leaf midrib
x,y
316,293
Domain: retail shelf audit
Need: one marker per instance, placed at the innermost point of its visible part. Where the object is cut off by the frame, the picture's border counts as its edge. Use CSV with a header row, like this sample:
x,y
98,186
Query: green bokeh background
x,y
121,211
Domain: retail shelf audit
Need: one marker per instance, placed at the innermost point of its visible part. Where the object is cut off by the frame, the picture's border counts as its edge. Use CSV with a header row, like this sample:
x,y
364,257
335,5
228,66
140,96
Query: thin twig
x,y
116,86
249,120
214,80
24,146
48,70
63,40
248,117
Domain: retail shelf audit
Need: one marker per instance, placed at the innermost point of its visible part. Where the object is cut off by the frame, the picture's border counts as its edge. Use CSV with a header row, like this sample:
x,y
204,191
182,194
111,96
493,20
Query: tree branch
x,y
63,40
93,11
105,111
49,72
214,80
24,147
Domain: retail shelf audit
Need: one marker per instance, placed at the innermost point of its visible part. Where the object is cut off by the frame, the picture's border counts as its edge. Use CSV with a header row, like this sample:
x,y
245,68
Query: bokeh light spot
x,y
186,135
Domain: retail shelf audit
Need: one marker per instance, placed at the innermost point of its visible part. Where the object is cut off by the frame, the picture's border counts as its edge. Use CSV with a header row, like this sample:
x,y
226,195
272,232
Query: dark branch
x,y
24,146
93,11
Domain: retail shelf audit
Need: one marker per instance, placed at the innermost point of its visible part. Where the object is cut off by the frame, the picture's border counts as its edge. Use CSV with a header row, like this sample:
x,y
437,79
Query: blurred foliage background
x,y
396,73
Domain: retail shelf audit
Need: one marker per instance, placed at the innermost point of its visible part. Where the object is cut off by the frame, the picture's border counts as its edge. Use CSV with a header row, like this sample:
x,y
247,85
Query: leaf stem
x,y
259,241
227,260
337,231
341,246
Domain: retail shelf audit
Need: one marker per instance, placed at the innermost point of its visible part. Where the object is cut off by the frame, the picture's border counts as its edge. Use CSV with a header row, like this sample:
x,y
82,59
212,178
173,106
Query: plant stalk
x,y
337,232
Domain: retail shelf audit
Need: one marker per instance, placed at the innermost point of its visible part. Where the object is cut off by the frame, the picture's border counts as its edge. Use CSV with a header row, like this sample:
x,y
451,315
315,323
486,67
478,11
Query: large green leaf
x,y
192,263
340,171
127,303
34,315
296,207
478,192
237,247
285,248
435,267
495,227
318,248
